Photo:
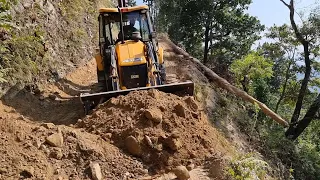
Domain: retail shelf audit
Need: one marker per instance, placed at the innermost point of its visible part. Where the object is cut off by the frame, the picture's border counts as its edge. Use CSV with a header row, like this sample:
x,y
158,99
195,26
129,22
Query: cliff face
x,y
43,39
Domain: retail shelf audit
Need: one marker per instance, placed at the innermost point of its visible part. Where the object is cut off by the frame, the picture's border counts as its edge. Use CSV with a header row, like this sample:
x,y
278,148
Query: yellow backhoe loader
x,y
129,58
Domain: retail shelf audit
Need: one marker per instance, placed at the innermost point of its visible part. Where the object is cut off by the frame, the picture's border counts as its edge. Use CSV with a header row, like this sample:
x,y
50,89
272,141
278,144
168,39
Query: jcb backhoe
x,y
129,58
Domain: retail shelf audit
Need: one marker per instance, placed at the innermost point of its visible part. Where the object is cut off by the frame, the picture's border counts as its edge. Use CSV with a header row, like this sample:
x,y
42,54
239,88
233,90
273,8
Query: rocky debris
x,y
154,93
27,172
55,140
3,170
133,146
41,97
154,115
37,91
48,125
180,110
173,143
95,171
56,153
21,118
192,103
190,167
181,172
148,140
52,97
181,135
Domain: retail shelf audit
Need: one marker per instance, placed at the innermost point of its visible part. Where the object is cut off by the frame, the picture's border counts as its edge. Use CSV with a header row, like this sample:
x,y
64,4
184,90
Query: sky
x,y
271,12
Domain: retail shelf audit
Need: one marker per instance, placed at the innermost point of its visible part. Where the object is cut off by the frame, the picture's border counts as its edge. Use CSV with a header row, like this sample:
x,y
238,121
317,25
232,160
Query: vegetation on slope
x,y
44,39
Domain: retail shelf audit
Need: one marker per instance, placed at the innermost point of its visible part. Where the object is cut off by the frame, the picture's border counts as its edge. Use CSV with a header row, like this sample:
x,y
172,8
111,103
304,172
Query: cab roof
x,y
124,9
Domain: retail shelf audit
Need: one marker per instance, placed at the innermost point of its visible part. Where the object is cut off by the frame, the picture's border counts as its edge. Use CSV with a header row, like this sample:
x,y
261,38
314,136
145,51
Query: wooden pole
x,y
224,84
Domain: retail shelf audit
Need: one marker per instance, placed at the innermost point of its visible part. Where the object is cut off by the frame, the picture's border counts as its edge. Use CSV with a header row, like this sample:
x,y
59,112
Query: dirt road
x,y
41,137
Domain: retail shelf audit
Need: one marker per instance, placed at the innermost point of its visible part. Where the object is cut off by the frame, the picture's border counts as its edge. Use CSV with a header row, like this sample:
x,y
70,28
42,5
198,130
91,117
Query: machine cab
x,y
134,25
127,47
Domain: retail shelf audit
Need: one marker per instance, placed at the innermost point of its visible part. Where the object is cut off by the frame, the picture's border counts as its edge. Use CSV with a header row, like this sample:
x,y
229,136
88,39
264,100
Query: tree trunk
x,y
296,129
222,83
305,43
304,84
206,41
284,87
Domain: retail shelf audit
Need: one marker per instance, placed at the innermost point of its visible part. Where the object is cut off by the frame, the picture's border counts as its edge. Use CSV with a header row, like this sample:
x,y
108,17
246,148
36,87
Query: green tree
x,y
309,36
251,68
222,26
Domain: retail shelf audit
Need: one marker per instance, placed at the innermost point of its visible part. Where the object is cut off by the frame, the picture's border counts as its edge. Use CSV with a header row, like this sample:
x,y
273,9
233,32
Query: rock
x,y
3,170
27,172
37,91
181,172
41,98
52,97
114,101
37,143
48,125
108,135
154,93
190,167
71,139
154,115
20,137
192,103
45,149
180,110
133,146
175,134
55,140
56,153
129,118
148,140
21,118
95,171
173,143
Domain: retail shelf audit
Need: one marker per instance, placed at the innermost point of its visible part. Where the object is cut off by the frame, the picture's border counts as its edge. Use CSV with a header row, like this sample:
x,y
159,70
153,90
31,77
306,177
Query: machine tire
x,y
163,74
87,107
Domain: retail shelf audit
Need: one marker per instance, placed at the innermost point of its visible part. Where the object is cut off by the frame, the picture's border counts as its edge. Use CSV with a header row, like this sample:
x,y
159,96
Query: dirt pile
x,y
162,130
29,150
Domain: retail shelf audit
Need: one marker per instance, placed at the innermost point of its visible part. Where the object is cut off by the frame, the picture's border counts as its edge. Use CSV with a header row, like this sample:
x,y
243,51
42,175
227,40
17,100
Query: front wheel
x,y
163,74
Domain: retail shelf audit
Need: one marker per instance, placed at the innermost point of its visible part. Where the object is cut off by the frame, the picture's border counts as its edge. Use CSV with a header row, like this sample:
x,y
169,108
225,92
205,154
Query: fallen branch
x,y
224,84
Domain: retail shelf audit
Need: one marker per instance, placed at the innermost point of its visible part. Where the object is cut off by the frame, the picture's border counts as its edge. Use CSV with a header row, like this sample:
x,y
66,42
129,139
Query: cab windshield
x,y
132,22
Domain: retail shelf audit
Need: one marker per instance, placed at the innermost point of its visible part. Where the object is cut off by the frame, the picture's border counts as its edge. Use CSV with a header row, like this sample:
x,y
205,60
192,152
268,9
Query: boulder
x,y
95,171
181,172
154,115
55,140
133,146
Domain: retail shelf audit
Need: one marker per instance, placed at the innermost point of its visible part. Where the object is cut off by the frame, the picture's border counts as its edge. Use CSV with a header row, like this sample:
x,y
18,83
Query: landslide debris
x,y
163,130
45,151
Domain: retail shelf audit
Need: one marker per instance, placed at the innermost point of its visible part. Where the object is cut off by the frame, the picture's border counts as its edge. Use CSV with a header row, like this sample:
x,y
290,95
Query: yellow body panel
x,y
99,62
124,10
131,53
160,55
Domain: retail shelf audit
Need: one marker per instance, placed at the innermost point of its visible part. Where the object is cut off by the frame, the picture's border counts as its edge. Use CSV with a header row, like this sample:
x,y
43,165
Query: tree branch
x,y
285,3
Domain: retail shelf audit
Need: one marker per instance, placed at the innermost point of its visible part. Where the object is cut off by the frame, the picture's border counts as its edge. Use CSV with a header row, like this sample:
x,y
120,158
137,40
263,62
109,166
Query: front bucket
x,y
180,89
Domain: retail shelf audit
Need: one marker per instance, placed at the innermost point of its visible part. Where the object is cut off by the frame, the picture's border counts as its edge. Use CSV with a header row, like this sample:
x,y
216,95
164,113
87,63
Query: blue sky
x,y
271,12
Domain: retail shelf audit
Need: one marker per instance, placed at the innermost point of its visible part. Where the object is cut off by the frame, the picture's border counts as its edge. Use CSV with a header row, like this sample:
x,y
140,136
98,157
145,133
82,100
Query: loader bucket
x,y
90,101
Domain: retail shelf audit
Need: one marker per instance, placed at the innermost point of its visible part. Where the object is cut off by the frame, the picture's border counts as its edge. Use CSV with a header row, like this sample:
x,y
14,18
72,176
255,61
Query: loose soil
x,y
139,136
169,130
